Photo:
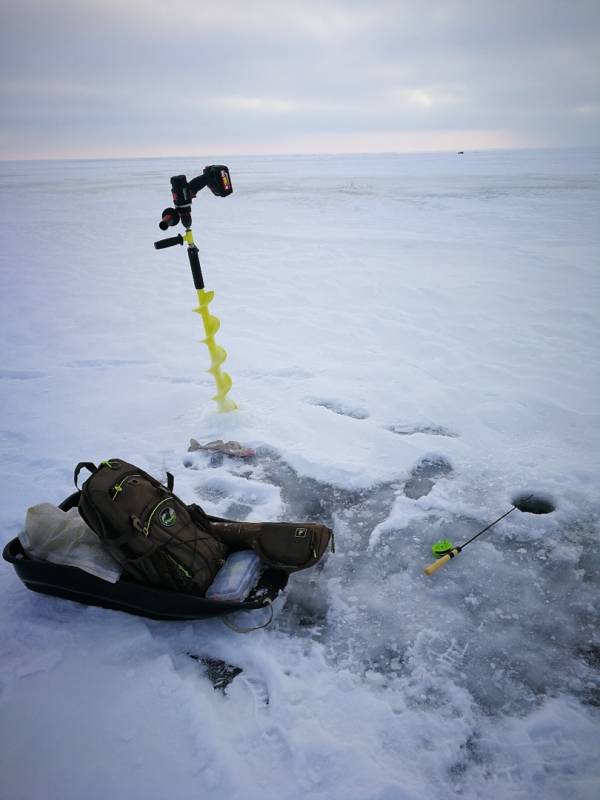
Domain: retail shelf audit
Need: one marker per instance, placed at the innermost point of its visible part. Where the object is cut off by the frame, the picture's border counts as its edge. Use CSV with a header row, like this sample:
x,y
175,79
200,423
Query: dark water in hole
x,y
533,503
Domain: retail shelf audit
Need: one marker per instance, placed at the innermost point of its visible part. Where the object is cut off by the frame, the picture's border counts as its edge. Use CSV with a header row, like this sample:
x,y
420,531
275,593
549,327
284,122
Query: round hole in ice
x,y
533,503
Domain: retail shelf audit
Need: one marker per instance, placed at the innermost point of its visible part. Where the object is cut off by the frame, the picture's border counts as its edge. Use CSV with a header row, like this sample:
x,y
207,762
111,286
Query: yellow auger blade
x,y
224,384
217,353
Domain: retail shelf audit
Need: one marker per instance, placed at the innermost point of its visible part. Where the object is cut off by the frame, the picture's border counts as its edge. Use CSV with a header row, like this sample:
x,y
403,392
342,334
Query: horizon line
x,y
304,155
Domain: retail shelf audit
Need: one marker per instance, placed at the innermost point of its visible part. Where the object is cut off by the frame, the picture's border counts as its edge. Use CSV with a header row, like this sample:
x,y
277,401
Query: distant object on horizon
x,y
460,153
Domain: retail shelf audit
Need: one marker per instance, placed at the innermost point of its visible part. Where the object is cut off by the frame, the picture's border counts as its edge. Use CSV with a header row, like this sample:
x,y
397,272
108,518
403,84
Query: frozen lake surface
x,y
414,344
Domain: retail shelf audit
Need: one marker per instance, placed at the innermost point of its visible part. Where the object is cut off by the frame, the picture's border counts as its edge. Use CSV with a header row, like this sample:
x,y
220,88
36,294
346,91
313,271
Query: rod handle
x,y
439,563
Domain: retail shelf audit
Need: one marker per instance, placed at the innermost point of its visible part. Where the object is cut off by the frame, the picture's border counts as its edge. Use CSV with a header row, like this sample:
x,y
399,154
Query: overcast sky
x,y
103,78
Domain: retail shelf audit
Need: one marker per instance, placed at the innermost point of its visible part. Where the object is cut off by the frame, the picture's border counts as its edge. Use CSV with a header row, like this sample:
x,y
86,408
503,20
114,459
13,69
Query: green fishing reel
x,y
441,547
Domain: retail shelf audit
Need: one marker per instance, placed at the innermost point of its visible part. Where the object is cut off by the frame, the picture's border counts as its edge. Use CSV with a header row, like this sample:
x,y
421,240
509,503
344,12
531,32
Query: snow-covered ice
x,y
414,345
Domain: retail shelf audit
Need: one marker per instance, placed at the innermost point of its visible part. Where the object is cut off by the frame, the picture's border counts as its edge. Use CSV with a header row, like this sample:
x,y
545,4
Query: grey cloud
x,y
98,74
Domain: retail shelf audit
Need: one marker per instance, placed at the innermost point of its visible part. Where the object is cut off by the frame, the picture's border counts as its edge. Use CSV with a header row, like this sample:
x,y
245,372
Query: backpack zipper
x,y
118,487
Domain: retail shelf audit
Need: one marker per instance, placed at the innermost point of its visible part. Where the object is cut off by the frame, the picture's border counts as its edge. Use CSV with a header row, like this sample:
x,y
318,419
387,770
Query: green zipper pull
x,y
118,487
179,566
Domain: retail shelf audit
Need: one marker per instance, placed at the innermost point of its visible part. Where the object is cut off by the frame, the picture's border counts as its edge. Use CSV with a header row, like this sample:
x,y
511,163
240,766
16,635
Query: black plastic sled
x,y
127,595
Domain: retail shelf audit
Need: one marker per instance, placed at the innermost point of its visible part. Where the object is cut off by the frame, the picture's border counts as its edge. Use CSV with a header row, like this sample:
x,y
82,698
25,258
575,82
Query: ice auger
x,y
217,178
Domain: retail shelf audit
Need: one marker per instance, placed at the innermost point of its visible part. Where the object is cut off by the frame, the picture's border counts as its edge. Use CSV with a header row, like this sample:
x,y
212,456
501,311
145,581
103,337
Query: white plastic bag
x,y
62,537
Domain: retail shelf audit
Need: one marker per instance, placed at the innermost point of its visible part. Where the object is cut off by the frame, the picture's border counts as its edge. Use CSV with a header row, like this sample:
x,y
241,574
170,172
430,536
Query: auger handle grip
x,y
170,242
439,563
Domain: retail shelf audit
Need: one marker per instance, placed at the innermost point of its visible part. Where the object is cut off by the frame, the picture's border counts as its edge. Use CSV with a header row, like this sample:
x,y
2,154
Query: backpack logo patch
x,y
300,533
167,517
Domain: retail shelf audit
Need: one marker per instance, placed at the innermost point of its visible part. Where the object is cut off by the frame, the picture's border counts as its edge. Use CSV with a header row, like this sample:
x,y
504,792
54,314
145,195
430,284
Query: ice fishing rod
x,y
444,550
218,180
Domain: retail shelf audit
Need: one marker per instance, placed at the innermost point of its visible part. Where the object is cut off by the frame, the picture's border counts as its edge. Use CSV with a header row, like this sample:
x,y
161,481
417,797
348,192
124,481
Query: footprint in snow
x,y
424,476
340,408
103,363
172,379
406,429
20,375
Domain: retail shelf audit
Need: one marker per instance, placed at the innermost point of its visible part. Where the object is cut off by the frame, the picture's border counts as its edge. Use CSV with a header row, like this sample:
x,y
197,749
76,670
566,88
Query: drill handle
x,y
170,242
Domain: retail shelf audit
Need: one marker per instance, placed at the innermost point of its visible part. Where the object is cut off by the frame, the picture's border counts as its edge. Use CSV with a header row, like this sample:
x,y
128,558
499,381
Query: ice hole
x,y
533,503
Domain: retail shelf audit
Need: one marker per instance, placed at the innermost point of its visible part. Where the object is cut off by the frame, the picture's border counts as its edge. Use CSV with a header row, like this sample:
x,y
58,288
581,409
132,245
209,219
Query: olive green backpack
x,y
149,531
